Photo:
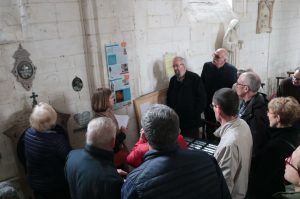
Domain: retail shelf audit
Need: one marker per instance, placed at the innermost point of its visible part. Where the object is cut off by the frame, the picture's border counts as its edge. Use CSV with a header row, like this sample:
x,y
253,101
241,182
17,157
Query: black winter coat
x,y
188,99
269,174
255,114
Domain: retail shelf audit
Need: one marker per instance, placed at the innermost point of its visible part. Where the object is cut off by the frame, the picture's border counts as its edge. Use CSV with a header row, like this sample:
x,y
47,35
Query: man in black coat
x,y
90,171
290,86
216,75
168,171
253,109
187,96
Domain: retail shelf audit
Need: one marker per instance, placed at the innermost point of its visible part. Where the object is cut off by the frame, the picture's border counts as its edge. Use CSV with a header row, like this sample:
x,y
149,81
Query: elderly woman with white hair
x,y
46,148
283,140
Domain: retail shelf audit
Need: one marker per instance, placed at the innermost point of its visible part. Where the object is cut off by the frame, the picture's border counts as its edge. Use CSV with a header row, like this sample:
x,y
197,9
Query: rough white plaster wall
x,y
271,54
188,28
51,32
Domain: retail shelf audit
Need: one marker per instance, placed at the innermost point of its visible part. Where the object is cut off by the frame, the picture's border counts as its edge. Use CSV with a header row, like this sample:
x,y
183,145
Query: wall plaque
x,y
24,70
265,15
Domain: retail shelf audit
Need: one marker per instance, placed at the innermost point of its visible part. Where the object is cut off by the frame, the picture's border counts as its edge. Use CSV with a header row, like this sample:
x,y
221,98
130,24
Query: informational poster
x,y
118,74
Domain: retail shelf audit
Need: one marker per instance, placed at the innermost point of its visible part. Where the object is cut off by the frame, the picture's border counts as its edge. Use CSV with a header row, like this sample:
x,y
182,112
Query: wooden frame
x,y
141,104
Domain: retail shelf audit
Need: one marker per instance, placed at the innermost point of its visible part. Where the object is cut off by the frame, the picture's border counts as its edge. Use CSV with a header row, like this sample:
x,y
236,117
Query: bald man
x,y
90,171
215,75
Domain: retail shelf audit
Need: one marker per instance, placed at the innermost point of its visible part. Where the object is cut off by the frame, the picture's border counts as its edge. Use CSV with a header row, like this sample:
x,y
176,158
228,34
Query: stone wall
x,y
66,38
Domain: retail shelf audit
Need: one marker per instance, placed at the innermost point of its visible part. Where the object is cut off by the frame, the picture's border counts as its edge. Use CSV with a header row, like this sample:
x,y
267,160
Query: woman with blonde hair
x,y
283,140
46,148
102,104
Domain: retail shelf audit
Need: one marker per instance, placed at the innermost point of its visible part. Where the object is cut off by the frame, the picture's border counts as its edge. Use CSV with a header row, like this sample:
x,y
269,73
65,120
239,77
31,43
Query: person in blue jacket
x,y
90,172
168,171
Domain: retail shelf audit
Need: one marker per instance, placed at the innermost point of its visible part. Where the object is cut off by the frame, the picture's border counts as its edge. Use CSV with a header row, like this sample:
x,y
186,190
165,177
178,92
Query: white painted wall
x,y
66,38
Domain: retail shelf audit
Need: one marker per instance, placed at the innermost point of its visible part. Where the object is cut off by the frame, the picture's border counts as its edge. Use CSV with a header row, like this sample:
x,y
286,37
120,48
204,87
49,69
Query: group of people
x,y
253,157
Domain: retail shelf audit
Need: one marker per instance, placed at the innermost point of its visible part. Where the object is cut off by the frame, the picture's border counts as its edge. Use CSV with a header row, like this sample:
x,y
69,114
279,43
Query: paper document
x,y
122,120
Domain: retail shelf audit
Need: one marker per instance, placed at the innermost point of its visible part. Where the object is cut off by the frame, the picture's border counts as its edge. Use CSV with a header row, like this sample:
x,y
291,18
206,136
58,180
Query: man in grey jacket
x,y
233,153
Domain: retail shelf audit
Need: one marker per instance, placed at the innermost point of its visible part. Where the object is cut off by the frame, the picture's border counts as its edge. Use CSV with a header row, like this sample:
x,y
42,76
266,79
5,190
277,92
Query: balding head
x,y
220,57
296,77
101,133
251,79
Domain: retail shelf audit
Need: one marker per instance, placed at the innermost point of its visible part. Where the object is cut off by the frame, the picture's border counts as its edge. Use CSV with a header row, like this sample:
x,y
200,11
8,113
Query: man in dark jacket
x,y
216,75
90,171
186,95
169,172
290,86
253,109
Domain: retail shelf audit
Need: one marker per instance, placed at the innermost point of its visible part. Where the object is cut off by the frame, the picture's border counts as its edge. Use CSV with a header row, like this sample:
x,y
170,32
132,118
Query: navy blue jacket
x,y
188,99
45,154
91,174
176,174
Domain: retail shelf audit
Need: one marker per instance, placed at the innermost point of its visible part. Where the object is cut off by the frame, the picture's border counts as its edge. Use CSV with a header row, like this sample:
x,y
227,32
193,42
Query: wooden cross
x,y
34,96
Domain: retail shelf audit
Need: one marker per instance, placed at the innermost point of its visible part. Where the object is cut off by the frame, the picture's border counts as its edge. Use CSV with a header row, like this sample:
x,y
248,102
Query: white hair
x,y
100,132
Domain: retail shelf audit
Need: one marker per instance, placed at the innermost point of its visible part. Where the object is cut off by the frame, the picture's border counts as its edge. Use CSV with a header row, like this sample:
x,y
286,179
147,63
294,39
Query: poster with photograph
x,y
118,73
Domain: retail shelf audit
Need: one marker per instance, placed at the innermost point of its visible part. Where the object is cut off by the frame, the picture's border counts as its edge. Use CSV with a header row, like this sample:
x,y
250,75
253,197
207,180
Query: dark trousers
x,y
63,194
210,124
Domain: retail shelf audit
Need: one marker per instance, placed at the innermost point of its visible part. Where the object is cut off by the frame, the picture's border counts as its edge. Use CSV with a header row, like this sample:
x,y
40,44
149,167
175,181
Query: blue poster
x,y
118,73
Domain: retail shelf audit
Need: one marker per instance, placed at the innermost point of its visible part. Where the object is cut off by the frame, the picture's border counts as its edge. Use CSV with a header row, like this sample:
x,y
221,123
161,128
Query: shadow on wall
x,y
159,74
220,35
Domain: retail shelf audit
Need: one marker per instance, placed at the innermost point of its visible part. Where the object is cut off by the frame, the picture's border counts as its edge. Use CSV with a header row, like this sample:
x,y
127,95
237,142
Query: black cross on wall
x,y
34,96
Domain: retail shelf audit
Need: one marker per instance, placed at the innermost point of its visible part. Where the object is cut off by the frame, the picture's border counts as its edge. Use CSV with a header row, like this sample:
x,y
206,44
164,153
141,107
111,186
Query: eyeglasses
x,y
177,65
213,106
295,78
216,56
288,161
271,112
240,84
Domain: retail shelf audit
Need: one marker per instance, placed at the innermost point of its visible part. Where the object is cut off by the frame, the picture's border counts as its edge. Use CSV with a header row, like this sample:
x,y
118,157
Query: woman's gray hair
x,y
43,117
161,127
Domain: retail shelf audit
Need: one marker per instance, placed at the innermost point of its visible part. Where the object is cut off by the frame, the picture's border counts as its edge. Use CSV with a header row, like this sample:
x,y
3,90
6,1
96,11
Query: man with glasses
x,y
290,86
215,75
187,96
253,109
233,153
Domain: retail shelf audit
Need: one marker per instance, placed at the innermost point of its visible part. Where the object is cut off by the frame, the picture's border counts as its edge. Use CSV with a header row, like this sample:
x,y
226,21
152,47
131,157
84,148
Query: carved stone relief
x,y
264,18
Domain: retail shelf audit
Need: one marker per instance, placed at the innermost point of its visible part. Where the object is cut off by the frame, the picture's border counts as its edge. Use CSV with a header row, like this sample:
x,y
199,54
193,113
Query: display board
x,y
118,73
